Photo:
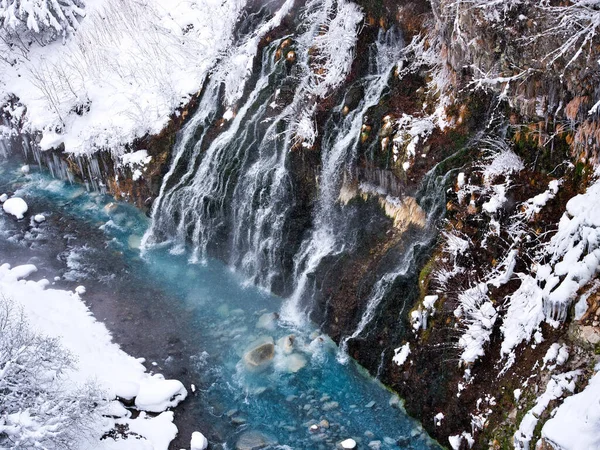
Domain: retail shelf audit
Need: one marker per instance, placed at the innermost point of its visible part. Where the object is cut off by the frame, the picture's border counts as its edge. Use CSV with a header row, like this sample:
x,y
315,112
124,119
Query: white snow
x,y
15,206
547,293
437,420
62,314
349,444
3,198
557,386
517,394
104,87
429,302
39,218
401,353
198,442
138,158
535,204
156,394
411,131
80,290
576,422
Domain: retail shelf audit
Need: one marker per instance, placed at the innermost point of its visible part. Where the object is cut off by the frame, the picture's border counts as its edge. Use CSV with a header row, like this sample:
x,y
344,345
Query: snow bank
x,y
156,394
106,86
15,206
62,314
576,423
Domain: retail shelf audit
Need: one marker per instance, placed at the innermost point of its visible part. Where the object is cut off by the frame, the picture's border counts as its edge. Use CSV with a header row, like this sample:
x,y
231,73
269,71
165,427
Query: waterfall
x,y
338,155
233,196
432,197
230,190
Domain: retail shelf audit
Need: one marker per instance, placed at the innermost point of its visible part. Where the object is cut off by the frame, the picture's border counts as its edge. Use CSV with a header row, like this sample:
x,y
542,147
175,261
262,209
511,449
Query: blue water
x,y
196,322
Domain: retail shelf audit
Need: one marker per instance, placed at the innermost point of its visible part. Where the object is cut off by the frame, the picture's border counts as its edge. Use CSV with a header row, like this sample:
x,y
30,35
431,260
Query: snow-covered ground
x,y
63,315
120,75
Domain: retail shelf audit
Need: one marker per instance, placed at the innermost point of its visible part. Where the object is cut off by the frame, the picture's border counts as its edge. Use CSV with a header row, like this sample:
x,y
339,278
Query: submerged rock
x,y
260,353
267,321
254,440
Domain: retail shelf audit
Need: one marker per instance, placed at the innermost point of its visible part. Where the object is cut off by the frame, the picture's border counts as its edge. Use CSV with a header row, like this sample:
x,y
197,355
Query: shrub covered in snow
x,y
35,408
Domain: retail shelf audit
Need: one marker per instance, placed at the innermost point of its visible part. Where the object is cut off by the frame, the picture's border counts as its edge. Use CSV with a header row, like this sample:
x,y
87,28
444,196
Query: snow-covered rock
x,y
348,444
15,206
39,218
3,198
198,442
157,394
401,353
80,290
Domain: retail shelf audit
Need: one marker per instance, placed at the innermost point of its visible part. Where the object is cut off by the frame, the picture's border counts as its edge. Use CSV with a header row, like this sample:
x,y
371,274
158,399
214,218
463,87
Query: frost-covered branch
x,y
37,410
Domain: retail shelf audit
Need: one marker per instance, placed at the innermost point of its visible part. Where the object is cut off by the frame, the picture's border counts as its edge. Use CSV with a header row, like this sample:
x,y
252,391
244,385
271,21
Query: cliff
x,y
418,178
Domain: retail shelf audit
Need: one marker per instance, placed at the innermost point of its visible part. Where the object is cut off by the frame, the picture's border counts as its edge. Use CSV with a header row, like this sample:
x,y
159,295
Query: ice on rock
x,y
39,218
157,394
15,206
198,442
3,198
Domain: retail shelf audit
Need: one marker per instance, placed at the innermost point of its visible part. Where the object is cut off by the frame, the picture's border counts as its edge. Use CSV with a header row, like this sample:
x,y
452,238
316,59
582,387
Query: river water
x,y
195,323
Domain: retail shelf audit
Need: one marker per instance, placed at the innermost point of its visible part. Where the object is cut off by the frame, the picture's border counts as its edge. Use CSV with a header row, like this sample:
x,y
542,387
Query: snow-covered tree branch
x,y
37,410
53,17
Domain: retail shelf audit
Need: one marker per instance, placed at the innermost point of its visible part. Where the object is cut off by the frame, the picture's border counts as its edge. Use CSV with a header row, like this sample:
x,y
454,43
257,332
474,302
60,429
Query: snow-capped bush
x,y
48,18
36,410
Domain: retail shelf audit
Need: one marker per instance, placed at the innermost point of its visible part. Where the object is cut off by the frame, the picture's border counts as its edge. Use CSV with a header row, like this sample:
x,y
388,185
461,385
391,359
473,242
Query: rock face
x,y
260,354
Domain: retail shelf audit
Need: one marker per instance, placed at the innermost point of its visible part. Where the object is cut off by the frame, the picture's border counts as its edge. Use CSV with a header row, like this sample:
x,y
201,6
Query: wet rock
x,y
286,343
260,354
238,421
374,445
324,424
254,440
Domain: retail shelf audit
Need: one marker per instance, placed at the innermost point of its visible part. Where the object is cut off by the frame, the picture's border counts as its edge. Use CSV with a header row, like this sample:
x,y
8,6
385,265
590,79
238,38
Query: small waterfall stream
x,y
338,157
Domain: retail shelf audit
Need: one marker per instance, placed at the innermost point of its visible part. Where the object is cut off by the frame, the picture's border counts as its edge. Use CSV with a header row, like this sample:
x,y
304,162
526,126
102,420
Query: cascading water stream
x,y
235,194
433,199
338,155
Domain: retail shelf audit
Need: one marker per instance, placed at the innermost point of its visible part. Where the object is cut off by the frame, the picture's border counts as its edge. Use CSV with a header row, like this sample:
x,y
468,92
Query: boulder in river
x,y
286,344
260,353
